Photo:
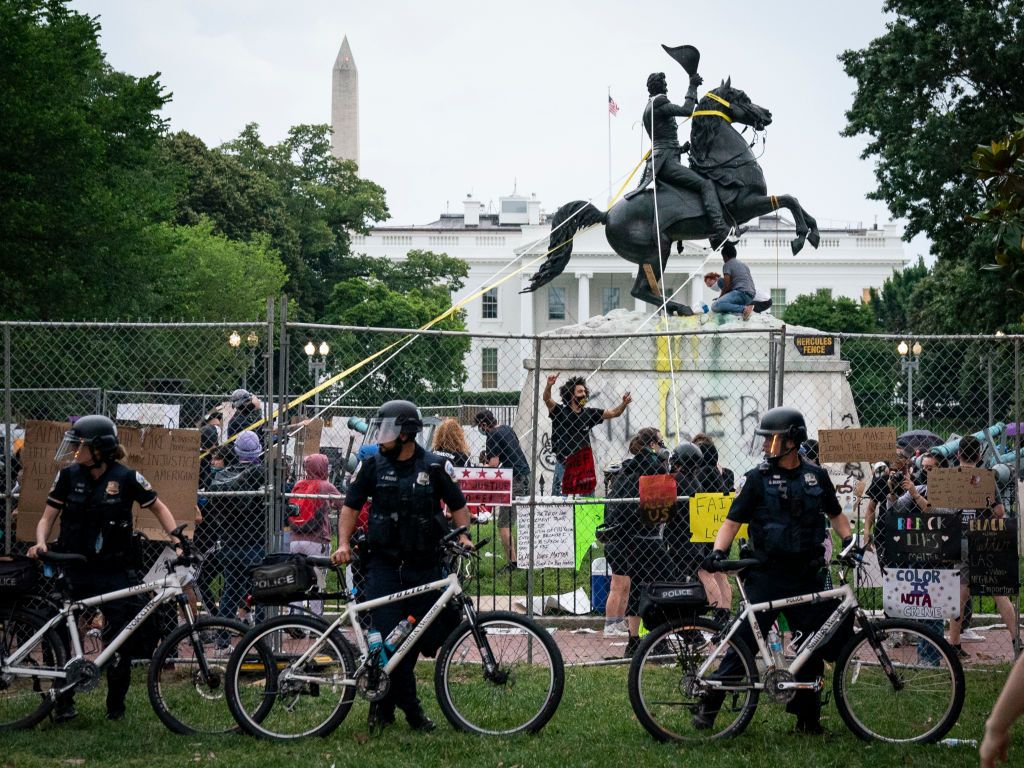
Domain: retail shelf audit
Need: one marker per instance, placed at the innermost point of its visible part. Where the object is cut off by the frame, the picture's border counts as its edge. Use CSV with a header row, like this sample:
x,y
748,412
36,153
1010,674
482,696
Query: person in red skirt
x,y
571,422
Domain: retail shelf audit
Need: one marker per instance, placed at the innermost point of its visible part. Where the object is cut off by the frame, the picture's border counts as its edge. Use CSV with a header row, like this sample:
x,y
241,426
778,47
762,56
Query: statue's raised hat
x,y
686,56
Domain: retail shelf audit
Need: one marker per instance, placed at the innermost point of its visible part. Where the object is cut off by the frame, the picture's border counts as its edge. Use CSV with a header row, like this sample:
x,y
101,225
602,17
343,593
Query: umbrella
x,y
919,439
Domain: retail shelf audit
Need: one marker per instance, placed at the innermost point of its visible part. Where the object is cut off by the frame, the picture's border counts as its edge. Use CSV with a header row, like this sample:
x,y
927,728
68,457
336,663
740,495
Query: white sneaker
x,y
616,629
970,636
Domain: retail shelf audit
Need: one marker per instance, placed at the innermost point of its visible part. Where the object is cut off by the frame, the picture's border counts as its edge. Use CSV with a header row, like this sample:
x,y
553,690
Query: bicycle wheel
x,y
899,682
186,676
271,696
24,697
670,697
520,695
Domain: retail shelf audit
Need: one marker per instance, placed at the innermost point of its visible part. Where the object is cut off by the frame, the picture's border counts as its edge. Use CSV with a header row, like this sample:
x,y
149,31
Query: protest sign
x,y
992,554
707,513
868,444
485,488
923,538
921,593
657,498
962,487
553,538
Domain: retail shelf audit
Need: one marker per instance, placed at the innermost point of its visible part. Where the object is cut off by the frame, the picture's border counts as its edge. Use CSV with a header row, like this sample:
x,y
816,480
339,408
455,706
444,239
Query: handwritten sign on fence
x,y
657,498
921,593
707,513
992,552
962,487
168,458
868,444
924,538
553,537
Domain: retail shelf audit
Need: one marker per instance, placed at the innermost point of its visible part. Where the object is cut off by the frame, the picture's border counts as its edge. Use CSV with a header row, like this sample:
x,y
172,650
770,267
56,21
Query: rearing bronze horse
x,y
717,151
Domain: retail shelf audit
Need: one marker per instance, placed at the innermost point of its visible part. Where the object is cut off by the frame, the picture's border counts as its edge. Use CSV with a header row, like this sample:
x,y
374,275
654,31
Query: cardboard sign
x,y
167,458
815,346
553,537
868,444
921,593
485,488
707,513
311,436
657,498
923,538
992,554
962,487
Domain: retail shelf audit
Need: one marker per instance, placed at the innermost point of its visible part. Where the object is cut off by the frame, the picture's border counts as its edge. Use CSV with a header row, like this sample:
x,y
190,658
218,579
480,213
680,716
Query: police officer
x,y
94,496
786,501
405,529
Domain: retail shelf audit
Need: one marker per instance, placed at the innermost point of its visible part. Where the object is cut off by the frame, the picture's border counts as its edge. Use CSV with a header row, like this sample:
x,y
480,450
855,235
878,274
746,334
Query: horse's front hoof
x,y
813,238
797,244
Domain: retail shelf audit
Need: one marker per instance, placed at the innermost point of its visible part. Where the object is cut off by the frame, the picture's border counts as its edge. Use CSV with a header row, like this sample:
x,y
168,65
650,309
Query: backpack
x,y
310,517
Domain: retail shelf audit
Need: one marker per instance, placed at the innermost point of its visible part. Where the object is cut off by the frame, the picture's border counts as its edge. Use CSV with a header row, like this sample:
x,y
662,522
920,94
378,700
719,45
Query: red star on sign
x,y
465,473
498,474
483,473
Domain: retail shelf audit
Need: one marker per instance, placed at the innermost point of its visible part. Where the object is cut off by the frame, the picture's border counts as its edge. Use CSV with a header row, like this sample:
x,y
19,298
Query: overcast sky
x,y
460,97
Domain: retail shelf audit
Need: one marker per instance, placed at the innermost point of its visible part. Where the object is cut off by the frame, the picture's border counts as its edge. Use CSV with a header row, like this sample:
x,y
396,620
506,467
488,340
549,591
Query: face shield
x,y
382,430
774,446
68,449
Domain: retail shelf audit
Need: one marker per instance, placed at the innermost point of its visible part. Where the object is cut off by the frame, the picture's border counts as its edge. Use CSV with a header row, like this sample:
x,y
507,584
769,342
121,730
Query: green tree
x,y
405,294
892,304
325,202
827,313
81,182
943,79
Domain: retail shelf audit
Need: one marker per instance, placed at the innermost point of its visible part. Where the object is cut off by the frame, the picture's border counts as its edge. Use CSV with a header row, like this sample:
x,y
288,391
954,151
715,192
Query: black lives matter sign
x,y
992,554
923,538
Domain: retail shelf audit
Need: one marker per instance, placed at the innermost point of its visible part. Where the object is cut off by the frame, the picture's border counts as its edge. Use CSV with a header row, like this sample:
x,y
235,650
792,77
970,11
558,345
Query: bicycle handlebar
x,y
60,557
738,565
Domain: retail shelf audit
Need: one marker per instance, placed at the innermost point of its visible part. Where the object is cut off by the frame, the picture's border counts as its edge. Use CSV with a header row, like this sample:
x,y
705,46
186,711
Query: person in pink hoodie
x,y
311,529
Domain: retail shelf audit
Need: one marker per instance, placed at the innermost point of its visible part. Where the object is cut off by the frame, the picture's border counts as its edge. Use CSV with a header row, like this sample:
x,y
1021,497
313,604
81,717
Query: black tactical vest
x,y
405,514
792,520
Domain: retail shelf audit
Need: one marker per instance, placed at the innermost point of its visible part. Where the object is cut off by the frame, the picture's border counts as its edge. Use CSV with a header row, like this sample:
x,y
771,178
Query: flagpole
x,y
609,147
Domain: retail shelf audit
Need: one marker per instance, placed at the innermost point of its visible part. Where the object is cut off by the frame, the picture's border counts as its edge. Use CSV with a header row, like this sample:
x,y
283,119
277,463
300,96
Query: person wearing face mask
x,y
503,450
404,533
571,422
786,501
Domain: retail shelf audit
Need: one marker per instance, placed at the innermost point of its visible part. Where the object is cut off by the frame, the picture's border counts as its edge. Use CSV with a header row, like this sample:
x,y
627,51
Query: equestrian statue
x,y
722,188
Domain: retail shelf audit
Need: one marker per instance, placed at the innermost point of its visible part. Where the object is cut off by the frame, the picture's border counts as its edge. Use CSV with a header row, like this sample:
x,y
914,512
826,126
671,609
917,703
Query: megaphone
x,y
357,424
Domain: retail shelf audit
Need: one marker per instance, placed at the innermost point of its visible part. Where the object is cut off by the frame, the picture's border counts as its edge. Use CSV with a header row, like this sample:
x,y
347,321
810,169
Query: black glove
x,y
696,80
712,562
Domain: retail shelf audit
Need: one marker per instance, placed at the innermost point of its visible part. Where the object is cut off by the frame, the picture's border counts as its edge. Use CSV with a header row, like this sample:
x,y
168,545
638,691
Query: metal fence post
x,y
780,368
771,369
533,463
268,410
1016,467
8,443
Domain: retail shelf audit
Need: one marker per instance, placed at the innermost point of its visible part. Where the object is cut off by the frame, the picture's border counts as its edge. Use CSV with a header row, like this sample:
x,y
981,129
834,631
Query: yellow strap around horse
x,y
714,112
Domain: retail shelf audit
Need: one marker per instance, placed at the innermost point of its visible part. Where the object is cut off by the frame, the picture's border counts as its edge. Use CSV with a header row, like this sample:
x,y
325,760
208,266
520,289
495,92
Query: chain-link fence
x,y
606,503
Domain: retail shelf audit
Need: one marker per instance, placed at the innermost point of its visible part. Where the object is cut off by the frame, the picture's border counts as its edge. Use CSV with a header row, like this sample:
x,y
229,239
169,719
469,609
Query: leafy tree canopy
x,y
826,313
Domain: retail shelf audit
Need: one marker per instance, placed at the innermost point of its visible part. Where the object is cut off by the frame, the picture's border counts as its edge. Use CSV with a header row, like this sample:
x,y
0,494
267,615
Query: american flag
x,y
613,108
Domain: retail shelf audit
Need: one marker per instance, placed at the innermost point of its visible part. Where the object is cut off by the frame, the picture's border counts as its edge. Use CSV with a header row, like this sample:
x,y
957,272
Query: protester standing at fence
x,y
785,501
503,450
735,283
450,441
969,455
883,492
248,411
404,533
93,496
205,538
712,473
239,522
310,526
635,546
571,422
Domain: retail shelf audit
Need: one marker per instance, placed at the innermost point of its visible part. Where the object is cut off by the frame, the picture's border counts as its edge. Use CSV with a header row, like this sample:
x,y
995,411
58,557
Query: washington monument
x,y
345,105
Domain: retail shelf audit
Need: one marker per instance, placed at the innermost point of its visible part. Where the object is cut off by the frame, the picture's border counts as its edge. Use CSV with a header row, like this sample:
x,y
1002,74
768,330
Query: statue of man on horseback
x,y
720,161
660,123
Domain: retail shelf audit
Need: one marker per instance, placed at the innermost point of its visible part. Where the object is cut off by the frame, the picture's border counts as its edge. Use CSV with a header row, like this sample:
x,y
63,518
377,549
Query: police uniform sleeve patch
x,y
450,469
143,482
53,487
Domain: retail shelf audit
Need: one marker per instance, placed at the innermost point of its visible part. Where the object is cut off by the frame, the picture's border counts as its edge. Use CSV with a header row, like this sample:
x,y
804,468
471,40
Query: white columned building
x,y
849,261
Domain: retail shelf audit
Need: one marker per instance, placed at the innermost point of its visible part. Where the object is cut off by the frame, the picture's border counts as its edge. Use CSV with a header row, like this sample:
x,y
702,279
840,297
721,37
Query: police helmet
x,y
687,455
96,431
782,423
394,418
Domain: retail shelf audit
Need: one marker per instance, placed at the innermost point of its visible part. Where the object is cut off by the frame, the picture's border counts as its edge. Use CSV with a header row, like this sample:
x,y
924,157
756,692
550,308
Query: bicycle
x,y
894,680
497,673
42,657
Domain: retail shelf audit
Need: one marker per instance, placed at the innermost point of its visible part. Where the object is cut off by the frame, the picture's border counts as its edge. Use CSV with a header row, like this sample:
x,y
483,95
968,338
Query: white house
x,y
596,280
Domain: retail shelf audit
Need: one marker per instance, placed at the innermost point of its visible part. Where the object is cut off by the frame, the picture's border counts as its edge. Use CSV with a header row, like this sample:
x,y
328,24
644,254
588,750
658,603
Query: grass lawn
x,y
593,727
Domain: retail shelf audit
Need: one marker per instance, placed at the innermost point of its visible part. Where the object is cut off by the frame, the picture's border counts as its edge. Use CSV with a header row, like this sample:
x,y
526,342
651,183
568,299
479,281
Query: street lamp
x,y
251,342
909,365
317,363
